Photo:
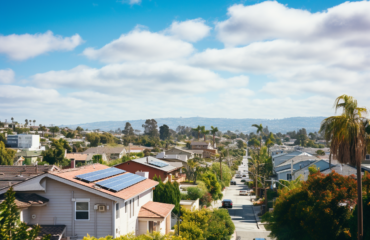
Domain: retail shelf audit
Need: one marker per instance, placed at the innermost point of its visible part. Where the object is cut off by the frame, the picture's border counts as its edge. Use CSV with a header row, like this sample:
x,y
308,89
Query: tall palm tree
x,y
214,130
198,129
34,121
348,133
259,131
204,131
26,121
12,119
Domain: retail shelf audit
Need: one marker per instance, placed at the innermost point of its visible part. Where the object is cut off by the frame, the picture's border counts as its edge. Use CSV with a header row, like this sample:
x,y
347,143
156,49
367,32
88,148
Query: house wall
x,y
61,210
126,224
133,167
162,226
143,227
283,175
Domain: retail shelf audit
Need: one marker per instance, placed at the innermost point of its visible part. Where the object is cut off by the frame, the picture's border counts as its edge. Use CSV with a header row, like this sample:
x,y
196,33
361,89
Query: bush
x,y
220,225
194,193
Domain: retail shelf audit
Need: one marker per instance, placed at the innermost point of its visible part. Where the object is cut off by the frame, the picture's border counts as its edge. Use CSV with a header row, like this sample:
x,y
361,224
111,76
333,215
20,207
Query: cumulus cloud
x,y
6,75
141,45
190,30
138,78
25,46
271,20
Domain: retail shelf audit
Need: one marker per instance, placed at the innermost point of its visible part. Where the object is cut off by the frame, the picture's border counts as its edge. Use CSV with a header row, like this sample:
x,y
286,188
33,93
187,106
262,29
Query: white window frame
x,y
88,209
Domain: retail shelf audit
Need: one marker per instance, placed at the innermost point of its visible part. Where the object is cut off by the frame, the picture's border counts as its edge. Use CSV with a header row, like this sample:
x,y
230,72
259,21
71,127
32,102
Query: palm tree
x,y
198,129
204,131
348,133
12,119
259,131
26,122
34,121
214,130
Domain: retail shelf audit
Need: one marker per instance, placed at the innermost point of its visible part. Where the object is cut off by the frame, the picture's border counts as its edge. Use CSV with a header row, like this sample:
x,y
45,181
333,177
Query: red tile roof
x,y
155,210
77,156
127,193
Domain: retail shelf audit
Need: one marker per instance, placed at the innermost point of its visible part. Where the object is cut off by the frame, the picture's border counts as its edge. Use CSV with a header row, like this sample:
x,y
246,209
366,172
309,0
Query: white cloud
x,y
139,78
22,47
190,30
6,75
349,21
141,45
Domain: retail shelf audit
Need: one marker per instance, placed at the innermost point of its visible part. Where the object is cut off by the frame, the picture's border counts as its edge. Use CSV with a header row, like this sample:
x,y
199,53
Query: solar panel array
x,y
121,182
158,164
101,174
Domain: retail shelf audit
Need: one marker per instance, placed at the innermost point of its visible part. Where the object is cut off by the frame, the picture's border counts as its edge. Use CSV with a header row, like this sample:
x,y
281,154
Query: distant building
x,y
23,141
108,153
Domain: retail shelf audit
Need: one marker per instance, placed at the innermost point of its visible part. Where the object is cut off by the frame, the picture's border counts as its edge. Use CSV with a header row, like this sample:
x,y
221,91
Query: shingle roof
x,y
199,143
144,160
155,210
77,156
106,150
23,200
27,169
56,231
127,193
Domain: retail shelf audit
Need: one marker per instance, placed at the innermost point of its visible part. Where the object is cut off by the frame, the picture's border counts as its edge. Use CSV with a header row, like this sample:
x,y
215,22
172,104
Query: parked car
x,y
243,180
244,175
259,238
232,183
227,203
238,176
243,193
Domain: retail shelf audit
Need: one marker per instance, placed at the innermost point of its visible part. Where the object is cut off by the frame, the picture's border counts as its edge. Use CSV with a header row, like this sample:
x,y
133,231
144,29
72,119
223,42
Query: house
x,y
180,151
154,166
93,199
284,170
29,156
200,145
190,204
79,158
181,159
23,141
136,149
107,152
323,165
10,175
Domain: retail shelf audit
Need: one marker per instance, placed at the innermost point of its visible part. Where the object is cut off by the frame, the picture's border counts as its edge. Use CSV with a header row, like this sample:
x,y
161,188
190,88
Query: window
x,y
289,176
82,210
125,207
117,210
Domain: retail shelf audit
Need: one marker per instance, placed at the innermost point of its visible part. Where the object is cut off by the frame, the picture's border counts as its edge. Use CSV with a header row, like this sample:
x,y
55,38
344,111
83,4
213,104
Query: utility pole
x,y
220,168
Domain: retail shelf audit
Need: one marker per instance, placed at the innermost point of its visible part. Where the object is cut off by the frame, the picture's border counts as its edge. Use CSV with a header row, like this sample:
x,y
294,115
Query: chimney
x,y
147,159
73,163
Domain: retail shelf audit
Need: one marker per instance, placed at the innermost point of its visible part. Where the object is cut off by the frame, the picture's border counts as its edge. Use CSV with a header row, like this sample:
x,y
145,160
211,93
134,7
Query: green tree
x,y
198,130
164,132
204,132
128,131
79,129
213,186
151,128
220,225
315,210
259,131
348,134
11,226
226,173
93,138
194,224
167,193
240,144
353,220
54,130
2,138
6,155
214,130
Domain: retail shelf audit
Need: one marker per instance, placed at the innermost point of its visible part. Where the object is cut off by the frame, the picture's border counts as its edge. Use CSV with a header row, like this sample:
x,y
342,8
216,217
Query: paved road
x,y
242,214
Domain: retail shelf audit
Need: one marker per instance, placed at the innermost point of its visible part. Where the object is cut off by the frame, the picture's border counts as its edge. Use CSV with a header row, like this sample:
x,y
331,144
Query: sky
x,y
70,62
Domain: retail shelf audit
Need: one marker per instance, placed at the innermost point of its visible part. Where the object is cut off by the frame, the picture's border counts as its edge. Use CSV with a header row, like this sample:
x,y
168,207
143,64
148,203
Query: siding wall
x,y
125,224
60,210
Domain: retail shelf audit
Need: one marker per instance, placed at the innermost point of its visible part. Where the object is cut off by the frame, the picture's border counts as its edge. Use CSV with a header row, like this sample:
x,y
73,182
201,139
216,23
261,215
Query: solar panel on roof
x,y
101,174
158,164
121,182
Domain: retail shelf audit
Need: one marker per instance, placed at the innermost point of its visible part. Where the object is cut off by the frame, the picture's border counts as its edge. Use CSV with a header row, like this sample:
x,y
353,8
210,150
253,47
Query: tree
x,y
213,186
2,138
259,131
204,132
55,155
194,224
198,130
150,128
79,129
128,131
54,129
320,152
353,220
167,193
164,132
93,138
315,210
226,173
220,225
11,226
347,133
214,130
6,155
240,144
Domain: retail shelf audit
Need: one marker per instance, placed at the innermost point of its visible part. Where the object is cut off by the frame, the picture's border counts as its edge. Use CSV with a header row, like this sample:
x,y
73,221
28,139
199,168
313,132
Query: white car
x,y
243,193
238,176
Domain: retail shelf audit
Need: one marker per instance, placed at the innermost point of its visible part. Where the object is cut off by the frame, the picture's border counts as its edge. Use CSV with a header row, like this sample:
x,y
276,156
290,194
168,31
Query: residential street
x,y
242,214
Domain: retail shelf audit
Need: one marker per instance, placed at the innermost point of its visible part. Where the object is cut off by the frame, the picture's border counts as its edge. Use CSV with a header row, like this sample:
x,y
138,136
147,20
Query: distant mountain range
x,y
311,124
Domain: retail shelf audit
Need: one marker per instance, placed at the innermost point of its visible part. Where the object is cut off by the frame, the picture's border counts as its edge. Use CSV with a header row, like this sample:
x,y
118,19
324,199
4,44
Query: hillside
x,y
311,124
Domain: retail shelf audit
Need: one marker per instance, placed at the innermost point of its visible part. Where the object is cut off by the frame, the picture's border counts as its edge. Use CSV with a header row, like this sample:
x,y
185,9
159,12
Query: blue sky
x,y
66,62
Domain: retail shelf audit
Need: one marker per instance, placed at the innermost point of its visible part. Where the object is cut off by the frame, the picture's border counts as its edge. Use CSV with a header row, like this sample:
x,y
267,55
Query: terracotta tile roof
x,y
24,200
77,156
127,193
155,210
